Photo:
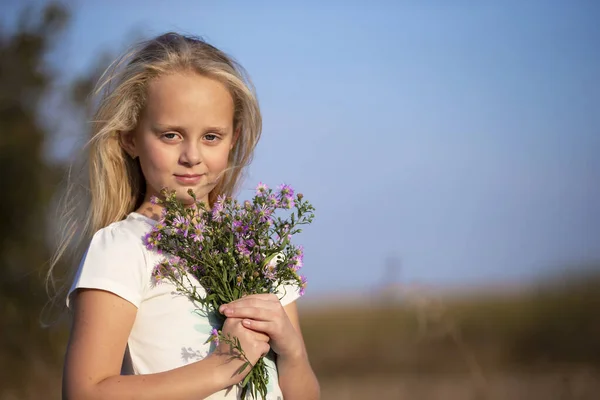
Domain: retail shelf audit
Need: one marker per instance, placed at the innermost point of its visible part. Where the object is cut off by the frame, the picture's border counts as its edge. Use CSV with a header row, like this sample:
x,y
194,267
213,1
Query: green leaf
x,y
243,367
268,259
246,379
222,298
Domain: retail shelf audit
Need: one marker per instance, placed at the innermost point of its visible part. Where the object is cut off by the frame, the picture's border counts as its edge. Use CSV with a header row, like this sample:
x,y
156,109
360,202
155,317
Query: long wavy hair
x,y
116,185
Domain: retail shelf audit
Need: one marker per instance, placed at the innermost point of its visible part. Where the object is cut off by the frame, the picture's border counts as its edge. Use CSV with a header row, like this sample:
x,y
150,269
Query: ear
x,y
127,142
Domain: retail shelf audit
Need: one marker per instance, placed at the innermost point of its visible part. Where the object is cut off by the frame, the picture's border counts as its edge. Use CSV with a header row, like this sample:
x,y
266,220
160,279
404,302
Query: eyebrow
x,y
168,127
159,128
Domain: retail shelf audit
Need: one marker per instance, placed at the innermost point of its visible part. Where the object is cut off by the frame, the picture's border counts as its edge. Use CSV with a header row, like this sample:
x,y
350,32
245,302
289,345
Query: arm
x,y
101,325
296,377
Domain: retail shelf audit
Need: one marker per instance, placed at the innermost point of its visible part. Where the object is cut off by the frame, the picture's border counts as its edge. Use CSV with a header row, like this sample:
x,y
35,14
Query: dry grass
x,y
540,344
565,386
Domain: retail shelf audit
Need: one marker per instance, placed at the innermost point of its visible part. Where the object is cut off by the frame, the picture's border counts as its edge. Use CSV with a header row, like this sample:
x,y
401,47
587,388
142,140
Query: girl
x,y
180,114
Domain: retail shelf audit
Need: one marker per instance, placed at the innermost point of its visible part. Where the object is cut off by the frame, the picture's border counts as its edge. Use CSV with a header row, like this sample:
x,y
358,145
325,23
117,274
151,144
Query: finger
x,y
259,335
249,312
265,350
250,302
270,297
264,296
259,326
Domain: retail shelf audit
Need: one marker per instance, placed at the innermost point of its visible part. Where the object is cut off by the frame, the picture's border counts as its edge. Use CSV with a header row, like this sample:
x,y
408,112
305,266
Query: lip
x,y
188,179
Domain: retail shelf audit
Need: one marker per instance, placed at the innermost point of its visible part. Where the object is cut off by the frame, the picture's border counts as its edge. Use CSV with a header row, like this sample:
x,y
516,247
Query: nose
x,y
191,154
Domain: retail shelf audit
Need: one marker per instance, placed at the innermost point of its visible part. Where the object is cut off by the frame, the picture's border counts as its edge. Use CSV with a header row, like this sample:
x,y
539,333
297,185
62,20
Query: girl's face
x,y
184,135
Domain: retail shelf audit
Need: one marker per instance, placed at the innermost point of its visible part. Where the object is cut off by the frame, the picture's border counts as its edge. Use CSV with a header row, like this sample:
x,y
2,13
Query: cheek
x,y
217,161
156,160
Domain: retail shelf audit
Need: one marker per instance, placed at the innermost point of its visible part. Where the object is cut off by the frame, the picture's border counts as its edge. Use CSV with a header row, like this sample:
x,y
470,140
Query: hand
x,y
264,313
254,344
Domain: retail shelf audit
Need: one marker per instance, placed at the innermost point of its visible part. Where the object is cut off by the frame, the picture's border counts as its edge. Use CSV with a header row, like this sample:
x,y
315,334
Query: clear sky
x,y
461,137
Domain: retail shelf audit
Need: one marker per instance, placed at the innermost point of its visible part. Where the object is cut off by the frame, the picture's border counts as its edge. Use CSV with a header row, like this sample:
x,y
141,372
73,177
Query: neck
x,y
154,211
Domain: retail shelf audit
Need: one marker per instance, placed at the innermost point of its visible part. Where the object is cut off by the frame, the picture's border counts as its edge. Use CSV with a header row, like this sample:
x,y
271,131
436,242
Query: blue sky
x,y
462,138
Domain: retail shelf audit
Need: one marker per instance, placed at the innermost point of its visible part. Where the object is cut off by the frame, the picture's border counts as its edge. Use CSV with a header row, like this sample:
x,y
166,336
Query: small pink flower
x,y
215,336
261,189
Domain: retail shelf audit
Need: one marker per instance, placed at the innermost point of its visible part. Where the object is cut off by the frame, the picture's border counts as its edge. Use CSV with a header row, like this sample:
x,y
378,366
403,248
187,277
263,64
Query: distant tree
x,y
27,184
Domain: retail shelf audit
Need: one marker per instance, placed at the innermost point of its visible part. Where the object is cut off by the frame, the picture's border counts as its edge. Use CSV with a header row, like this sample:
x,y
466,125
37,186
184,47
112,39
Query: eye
x,y
170,136
211,137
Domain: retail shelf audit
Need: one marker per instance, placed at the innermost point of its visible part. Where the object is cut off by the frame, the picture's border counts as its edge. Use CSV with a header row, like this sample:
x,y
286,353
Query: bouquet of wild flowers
x,y
233,250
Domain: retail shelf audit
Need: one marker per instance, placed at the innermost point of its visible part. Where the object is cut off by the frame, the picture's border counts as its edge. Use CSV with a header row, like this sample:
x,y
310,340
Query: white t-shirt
x,y
168,331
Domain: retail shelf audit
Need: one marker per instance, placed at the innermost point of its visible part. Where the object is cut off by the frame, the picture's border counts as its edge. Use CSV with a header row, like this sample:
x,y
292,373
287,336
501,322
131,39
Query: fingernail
x,y
222,309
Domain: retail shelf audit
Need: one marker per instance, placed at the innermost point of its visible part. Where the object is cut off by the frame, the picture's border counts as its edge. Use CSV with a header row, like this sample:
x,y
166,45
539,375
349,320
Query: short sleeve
x,y
288,294
115,262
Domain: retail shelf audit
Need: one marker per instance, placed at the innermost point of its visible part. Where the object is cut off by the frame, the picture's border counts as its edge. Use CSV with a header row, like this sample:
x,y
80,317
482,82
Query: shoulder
x,y
120,239
117,261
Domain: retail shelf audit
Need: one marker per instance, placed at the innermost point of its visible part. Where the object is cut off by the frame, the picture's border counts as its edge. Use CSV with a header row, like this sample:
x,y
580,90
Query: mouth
x,y
188,179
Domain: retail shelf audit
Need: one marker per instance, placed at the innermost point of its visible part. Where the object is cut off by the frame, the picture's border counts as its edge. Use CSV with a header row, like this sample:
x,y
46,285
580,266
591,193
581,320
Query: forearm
x,y
193,381
297,379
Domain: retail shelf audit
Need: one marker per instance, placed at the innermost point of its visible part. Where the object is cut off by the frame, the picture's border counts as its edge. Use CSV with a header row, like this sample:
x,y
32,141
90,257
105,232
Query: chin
x,y
185,198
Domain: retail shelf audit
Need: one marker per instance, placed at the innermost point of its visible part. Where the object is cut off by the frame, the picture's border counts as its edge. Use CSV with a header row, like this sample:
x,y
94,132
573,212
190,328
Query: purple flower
x,y
296,263
303,285
181,225
176,265
264,213
218,208
159,273
197,269
270,271
242,249
215,336
217,214
221,199
152,239
261,189
181,222
287,202
272,201
197,233
154,200
286,191
239,227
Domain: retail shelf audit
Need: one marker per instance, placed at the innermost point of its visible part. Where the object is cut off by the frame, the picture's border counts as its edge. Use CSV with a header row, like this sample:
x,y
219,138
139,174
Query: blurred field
x,y
539,344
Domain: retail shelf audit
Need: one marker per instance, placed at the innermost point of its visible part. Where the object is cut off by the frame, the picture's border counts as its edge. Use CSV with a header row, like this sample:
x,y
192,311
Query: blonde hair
x,y
116,182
